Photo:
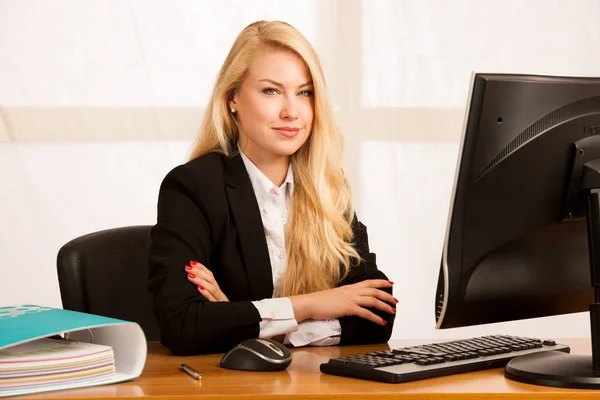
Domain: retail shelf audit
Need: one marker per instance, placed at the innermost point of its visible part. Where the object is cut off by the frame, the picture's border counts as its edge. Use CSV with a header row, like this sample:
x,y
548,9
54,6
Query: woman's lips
x,y
287,132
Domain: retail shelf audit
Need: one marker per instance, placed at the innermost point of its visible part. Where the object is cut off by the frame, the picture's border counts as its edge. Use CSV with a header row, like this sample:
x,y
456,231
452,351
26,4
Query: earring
x,y
233,110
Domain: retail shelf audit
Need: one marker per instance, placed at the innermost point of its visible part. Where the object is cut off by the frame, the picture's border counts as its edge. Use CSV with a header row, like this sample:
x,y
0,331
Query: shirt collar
x,y
263,185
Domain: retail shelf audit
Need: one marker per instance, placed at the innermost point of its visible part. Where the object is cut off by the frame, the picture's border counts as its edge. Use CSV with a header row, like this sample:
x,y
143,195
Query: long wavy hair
x,y
318,236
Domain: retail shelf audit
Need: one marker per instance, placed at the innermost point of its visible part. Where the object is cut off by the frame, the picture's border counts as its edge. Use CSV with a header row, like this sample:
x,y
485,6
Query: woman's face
x,y
274,106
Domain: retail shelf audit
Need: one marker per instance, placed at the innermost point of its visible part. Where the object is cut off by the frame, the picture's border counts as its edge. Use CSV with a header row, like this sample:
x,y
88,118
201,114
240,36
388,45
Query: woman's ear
x,y
231,100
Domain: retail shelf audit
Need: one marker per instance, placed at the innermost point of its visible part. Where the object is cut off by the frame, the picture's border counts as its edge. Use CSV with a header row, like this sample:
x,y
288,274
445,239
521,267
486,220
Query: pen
x,y
191,371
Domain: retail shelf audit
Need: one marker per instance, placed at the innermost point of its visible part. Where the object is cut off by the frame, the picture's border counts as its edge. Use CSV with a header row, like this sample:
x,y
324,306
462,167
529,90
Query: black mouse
x,y
257,355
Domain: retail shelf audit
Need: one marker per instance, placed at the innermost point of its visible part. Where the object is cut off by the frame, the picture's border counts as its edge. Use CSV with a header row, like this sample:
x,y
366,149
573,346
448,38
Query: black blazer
x,y
207,212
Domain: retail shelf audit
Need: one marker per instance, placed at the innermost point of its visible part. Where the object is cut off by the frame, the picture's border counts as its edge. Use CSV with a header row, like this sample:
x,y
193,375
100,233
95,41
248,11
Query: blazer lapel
x,y
246,215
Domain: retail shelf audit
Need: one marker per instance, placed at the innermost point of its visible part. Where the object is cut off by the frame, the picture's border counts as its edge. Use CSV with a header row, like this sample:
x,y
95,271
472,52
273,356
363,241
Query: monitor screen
x,y
516,243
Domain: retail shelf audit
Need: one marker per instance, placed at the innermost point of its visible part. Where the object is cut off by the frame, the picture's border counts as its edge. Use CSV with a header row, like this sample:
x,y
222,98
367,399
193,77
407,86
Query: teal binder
x,y
28,322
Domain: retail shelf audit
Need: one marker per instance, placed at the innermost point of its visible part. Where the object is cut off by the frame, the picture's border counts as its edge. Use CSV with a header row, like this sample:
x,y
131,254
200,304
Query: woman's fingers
x,y
207,288
371,296
372,287
372,302
204,279
198,269
207,274
375,283
369,315
207,294
213,289
379,294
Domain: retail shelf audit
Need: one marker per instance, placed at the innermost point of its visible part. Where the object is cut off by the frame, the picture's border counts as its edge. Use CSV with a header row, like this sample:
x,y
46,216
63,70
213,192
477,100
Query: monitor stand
x,y
559,369
554,368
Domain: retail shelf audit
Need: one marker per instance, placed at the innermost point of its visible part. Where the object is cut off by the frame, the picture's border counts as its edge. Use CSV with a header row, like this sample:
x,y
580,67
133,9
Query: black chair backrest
x,y
105,273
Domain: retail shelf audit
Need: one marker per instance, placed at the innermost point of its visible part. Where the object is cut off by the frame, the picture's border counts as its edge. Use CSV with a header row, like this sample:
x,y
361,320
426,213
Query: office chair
x,y
105,273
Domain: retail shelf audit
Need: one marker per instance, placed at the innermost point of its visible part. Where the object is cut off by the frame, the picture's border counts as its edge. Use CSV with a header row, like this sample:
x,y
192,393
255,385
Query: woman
x,y
256,235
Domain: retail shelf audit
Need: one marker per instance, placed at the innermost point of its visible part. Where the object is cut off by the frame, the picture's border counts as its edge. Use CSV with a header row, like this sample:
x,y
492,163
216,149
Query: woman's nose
x,y
289,109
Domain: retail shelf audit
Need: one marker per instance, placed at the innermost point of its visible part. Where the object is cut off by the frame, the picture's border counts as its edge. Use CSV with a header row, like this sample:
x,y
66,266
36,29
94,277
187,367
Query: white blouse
x,y
277,313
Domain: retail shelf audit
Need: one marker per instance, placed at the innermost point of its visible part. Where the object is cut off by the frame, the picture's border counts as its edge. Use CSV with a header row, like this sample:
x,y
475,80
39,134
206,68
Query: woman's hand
x,y
346,300
203,278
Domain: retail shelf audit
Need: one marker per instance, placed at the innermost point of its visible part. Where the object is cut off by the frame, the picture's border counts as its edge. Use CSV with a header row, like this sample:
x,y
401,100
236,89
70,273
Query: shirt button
x,y
284,221
273,314
280,255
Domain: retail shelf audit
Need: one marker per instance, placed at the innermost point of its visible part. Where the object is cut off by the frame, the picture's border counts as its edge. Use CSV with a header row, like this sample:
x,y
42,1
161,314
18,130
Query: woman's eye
x,y
269,91
306,93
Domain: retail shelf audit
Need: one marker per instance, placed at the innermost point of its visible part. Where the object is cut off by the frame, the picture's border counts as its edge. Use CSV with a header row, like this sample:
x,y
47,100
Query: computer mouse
x,y
257,355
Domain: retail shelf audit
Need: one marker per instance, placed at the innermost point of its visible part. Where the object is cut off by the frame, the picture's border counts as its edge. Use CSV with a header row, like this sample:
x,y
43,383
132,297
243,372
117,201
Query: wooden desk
x,y
163,379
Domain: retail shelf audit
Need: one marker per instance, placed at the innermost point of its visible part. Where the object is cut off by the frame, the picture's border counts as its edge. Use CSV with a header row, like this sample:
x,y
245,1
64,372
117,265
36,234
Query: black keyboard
x,y
437,359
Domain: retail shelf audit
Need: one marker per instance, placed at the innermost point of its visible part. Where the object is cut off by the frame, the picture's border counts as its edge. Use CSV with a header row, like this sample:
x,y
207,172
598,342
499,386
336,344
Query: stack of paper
x,y
50,364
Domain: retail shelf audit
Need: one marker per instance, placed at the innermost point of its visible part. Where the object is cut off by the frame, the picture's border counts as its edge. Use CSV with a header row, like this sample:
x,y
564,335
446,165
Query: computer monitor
x,y
525,205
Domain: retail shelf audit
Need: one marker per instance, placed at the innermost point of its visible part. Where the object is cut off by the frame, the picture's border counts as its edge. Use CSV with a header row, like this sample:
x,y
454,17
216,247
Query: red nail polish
x,y
191,276
200,287
187,267
396,299
391,283
393,309
384,321
194,263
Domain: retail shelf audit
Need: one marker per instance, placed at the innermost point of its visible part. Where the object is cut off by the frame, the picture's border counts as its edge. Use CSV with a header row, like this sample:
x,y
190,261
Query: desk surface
x,y
162,378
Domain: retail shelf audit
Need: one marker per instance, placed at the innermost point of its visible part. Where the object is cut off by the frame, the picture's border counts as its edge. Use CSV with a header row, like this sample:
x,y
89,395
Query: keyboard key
x,y
423,361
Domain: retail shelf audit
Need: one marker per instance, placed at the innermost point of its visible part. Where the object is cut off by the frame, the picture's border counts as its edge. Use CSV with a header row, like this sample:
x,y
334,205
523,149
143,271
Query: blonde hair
x,y
318,233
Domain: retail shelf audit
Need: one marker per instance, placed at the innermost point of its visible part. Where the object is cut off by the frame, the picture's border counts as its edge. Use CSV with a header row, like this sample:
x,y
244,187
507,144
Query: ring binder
x,y
21,324
89,331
